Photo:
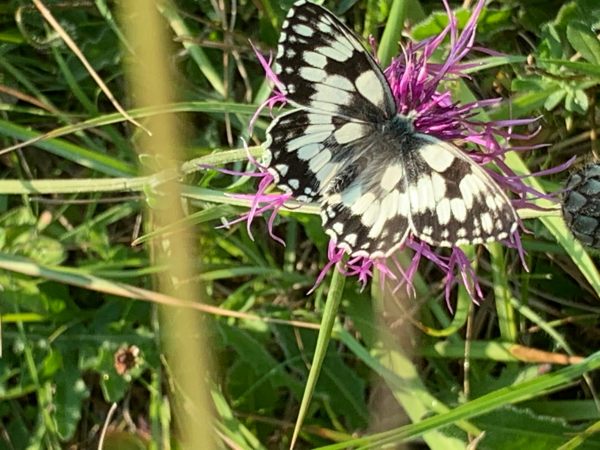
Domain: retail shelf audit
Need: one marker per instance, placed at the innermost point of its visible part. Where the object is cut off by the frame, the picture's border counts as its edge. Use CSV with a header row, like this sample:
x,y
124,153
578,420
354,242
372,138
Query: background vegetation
x,y
81,330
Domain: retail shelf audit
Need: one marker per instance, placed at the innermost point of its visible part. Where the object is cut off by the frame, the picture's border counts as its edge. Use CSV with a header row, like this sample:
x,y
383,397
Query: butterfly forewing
x,y
323,66
345,146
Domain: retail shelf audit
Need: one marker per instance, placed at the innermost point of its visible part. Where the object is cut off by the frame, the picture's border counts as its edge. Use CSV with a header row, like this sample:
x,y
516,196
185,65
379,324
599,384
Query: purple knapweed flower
x,y
415,80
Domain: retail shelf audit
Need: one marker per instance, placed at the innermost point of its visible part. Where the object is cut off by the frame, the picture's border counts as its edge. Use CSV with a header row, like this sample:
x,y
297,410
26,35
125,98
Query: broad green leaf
x,y
584,41
514,428
554,99
70,393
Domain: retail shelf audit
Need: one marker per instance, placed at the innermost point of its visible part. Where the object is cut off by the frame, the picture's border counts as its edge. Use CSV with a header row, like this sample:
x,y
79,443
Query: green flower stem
x,y
139,184
388,47
332,304
124,184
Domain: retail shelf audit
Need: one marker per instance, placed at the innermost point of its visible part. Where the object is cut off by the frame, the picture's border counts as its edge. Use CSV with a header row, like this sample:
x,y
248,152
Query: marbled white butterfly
x,y
346,147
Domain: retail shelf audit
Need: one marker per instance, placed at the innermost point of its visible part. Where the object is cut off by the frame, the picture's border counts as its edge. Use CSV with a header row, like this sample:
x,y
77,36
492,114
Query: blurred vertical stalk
x,y
183,340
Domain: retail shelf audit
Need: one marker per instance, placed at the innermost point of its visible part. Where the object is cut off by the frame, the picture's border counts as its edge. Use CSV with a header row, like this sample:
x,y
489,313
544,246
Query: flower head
x,y
415,83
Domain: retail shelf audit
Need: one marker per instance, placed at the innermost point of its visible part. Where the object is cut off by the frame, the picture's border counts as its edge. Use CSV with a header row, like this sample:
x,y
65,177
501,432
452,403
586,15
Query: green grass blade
x,y
140,113
179,27
388,47
401,376
336,289
502,293
79,155
497,399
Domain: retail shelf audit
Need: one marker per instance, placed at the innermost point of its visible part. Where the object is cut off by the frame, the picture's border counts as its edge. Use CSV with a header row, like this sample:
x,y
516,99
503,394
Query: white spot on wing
x,y
338,227
426,197
349,132
403,205
392,175
339,82
339,45
439,186
468,190
314,59
309,151
371,215
327,173
436,156
303,140
363,203
312,74
443,211
369,86
335,52
282,169
351,239
329,94
377,228
303,30
324,106
490,202
318,128
314,118
317,163
323,27
458,209
487,223
389,205
349,196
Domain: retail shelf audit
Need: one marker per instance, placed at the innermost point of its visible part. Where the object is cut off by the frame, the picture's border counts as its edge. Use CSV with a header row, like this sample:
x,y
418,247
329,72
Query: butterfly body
x,y
345,146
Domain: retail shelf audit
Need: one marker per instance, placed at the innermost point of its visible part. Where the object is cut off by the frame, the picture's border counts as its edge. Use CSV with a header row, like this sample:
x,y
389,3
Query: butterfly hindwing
x,y
425,186
307,149
453,201
364,210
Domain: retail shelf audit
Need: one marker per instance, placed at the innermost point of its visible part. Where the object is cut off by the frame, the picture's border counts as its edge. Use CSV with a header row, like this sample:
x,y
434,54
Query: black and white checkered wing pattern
x,y
307,150
419,184
324,67
346,147
452,200
340,93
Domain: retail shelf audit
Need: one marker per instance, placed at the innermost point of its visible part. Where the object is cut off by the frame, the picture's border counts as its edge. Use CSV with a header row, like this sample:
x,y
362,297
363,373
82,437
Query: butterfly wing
x,y
375,186
422,185
365,209
324,67
307,149
340,93
453,201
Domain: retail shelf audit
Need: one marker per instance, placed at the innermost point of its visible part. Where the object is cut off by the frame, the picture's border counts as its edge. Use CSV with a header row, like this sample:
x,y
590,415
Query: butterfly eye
x,y
581,204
